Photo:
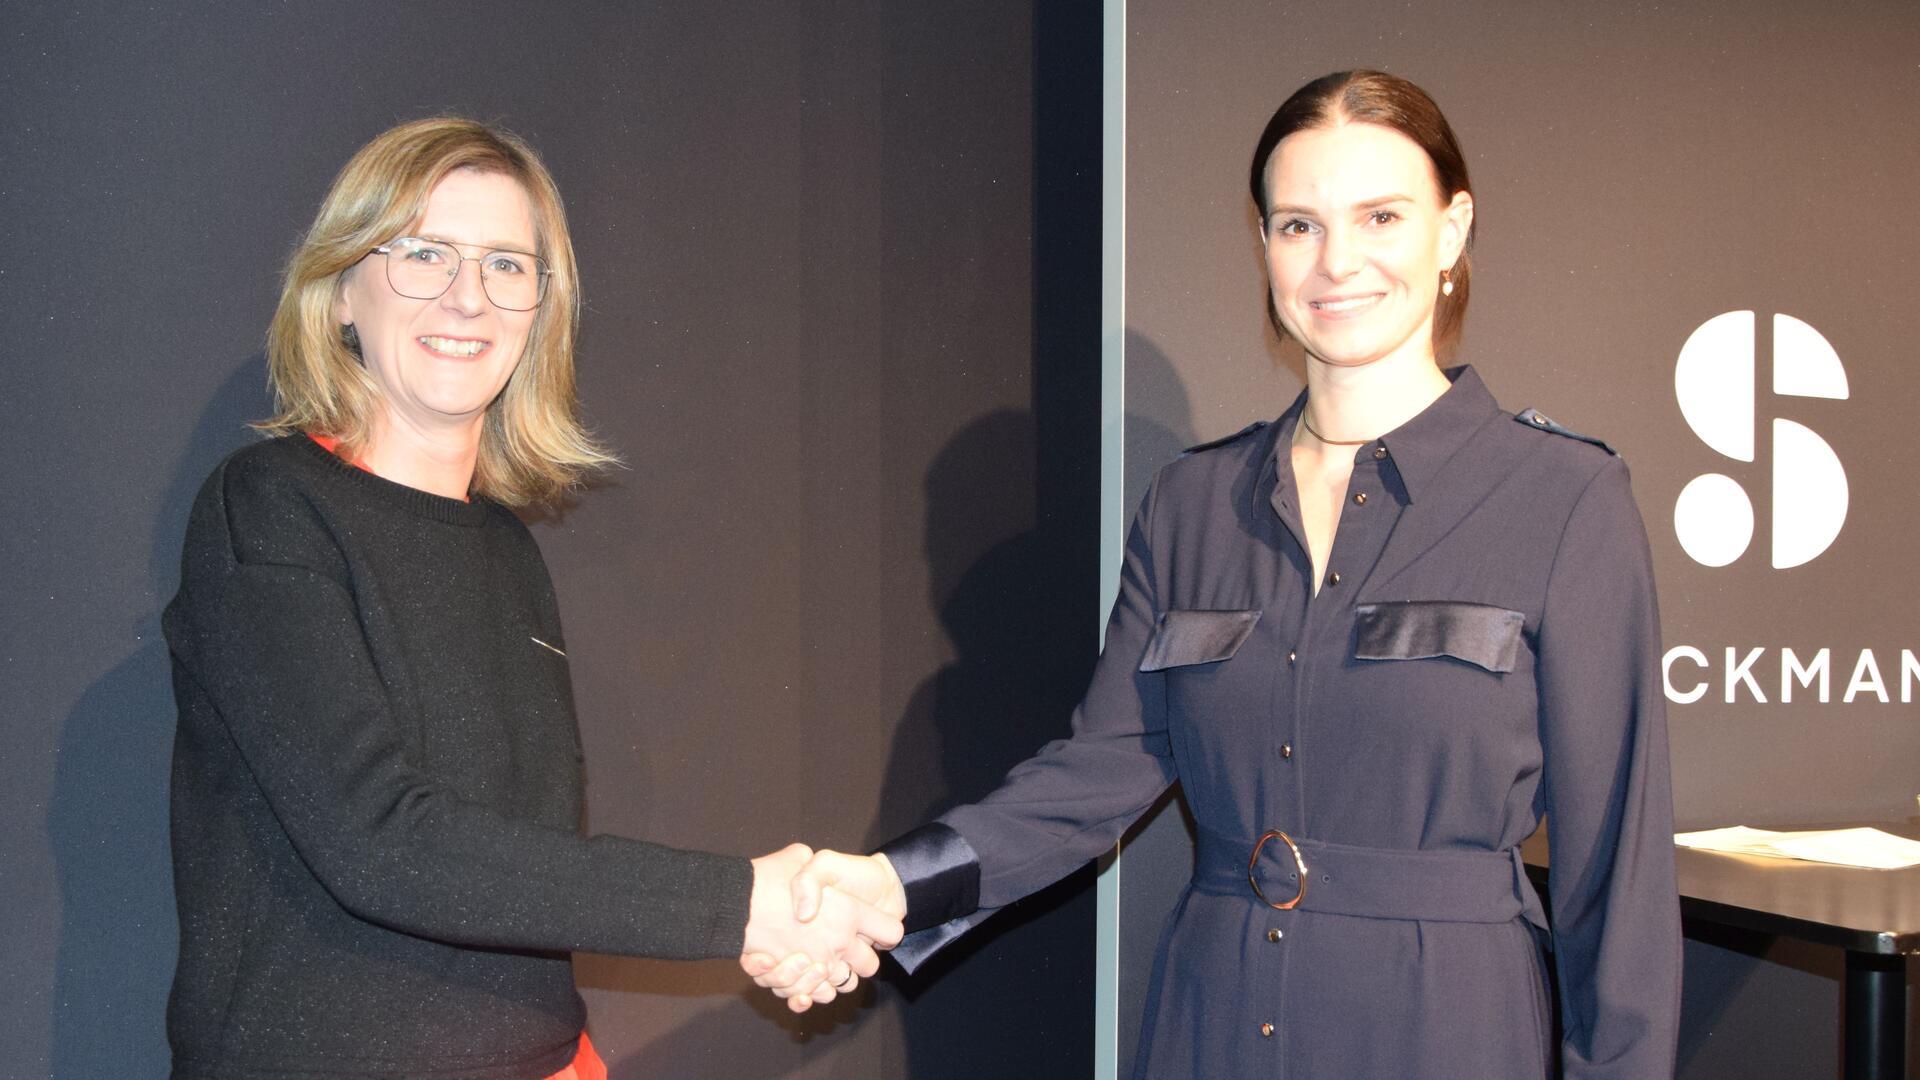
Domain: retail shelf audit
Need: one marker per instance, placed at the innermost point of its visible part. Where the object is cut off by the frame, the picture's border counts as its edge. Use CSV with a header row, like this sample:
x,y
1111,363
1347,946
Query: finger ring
x,y
846,983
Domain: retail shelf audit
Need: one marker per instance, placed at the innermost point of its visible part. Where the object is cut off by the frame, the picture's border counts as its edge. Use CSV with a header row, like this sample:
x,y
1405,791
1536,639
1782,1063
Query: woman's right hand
x,y
868,878
827,951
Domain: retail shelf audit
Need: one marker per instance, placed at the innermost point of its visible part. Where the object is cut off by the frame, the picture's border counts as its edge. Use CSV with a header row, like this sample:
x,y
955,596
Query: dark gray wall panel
x,y
839,263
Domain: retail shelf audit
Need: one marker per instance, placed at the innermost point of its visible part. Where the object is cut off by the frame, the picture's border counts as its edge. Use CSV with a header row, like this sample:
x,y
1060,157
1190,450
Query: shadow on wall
x,y
1160,423
993,706
107,818
1004,695
1018,627
1159,419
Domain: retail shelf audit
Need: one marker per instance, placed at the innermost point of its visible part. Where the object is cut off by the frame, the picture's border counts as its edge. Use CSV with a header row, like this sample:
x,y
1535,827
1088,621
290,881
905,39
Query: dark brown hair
x,y
1375,97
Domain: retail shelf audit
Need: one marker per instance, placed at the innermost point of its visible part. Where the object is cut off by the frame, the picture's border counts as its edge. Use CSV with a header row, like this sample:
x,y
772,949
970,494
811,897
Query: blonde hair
x,y
532,445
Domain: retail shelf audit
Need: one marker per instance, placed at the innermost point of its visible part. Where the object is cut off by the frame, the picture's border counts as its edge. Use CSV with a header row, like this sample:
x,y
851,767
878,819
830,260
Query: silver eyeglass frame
x,y
541,270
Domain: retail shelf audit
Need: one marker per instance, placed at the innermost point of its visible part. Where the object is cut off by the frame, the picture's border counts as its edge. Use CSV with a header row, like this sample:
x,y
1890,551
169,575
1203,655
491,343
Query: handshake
x,y
816,921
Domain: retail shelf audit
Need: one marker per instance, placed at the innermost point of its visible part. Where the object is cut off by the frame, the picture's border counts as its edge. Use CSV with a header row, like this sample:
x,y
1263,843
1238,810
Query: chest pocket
x,y
1480,634
1197,637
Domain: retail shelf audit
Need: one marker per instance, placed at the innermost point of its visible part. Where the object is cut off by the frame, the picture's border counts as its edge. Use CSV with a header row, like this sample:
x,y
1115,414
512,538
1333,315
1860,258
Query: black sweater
x,y
377,791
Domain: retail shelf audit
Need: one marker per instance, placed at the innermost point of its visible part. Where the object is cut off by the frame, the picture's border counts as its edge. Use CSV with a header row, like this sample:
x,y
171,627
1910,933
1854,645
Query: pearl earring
x,y
1446,283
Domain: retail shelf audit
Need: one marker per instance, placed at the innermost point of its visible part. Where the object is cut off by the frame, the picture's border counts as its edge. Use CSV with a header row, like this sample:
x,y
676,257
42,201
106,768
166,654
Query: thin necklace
x,y
1308,424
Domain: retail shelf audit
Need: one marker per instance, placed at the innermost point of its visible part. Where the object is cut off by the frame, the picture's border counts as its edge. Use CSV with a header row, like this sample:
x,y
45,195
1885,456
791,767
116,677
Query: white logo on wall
x,y
1714,382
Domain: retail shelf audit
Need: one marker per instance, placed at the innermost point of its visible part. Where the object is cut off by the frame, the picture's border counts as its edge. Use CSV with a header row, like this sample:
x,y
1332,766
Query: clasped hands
x,y
817,920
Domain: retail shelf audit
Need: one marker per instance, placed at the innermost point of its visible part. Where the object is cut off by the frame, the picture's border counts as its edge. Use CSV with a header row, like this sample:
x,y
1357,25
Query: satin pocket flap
x,y
1481,634
1196,637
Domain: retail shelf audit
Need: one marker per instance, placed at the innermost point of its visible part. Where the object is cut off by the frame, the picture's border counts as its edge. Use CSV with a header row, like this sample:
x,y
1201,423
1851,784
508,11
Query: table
x,y
1874,915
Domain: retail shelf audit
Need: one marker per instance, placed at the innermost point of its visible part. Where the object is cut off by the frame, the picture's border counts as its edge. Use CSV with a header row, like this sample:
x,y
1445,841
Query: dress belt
x,y
1372,883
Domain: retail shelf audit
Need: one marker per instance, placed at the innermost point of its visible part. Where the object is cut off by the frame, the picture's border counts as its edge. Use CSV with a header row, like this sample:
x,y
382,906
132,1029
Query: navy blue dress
x,y
1484,651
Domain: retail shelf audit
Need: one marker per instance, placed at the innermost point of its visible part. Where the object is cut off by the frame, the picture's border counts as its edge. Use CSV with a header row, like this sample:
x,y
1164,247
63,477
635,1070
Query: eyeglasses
x,y
425,269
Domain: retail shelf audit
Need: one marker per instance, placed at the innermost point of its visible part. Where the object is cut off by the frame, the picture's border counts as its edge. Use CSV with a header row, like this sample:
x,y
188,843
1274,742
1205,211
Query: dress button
x,y
1274,935
1266,1031
1359,498
1333,578
1286,750
1379,452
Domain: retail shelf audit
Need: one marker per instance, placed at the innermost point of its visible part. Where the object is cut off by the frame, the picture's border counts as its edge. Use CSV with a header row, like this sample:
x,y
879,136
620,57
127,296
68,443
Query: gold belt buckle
x,y
1298,861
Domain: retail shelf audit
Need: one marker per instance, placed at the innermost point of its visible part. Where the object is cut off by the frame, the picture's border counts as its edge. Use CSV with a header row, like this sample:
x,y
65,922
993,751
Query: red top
x,y
586,1064
332,446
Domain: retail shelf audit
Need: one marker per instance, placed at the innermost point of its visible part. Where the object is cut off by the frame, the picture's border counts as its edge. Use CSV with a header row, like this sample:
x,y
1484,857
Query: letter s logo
x,y
1713,379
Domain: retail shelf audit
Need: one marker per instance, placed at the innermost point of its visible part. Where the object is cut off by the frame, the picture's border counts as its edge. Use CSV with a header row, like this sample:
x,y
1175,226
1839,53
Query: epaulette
x,y
1534,418
1242,433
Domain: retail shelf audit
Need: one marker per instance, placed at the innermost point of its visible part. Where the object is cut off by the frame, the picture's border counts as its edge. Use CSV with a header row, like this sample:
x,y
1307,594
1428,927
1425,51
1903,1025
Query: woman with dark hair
x,y
1376,641
377,786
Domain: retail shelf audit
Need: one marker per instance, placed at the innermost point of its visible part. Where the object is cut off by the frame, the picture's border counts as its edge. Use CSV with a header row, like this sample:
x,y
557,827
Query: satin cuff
x,y
941,874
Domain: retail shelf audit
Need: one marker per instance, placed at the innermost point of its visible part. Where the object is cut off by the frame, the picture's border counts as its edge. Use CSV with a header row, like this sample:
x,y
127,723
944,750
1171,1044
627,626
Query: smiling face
x,y
1356,235
439,363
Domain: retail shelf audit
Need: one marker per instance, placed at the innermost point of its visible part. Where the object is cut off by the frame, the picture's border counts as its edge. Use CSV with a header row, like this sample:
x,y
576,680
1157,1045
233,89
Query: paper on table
x,y
1868,848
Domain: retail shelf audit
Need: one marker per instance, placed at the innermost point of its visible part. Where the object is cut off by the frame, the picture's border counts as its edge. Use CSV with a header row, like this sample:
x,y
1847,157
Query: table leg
x,y
1874,1042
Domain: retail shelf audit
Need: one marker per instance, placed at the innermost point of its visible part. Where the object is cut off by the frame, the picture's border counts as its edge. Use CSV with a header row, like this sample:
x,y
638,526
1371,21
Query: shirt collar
x,y
1419,448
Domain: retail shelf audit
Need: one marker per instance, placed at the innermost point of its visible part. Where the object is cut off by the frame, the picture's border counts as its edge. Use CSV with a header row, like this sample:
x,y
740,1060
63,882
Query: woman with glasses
x,y
1375,641
376,781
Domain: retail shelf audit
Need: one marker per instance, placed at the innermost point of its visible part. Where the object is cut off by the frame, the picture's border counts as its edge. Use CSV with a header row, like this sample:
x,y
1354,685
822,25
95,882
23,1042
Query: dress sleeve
x,y
1609,803
1065,805
276,651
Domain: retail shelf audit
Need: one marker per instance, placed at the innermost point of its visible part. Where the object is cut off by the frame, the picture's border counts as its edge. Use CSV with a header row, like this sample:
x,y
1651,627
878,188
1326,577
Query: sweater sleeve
x,y
1616,919
1065,805
272,643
